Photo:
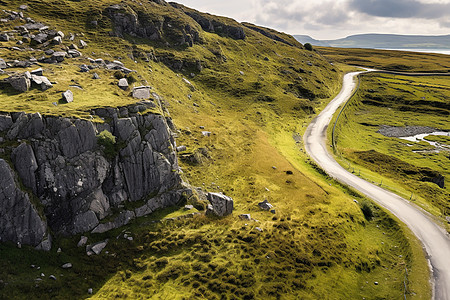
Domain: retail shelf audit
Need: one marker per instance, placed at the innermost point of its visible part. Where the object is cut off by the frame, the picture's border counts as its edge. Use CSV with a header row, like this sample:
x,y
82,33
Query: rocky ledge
x,y
65,175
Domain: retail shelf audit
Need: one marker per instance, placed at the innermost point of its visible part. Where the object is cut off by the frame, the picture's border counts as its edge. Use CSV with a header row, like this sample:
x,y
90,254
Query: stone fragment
x,y
188,207
66,266
42,82
83,241
141,92
83,44
74,53
181,148
98,247
222,205
67,96
3,64
57,40
4,37
37,72
265,205
40,38
123,84
52,277
245,217
20,82
59,56
95,76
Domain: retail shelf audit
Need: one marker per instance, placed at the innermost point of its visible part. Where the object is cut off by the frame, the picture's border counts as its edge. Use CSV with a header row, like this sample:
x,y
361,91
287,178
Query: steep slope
x,y
239,98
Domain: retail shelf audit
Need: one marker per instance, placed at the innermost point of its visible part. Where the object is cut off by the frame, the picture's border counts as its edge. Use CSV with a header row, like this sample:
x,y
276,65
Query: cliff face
x,y
61,175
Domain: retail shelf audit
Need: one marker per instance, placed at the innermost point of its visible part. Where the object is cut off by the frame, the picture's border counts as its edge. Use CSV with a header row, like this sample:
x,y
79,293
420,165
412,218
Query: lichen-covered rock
x,y
62,163
20,221
221,205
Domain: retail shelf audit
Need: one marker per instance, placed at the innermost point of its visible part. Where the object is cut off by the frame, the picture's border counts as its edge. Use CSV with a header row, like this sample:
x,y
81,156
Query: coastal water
x,y
439,51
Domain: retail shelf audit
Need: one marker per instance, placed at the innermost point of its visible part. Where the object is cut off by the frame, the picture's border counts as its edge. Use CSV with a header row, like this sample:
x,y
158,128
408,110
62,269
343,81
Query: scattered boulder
x,y
40,38
181,148
95,76
265,205
57,40
66,266
3,64
83,44
123,84
83,241
67,96
245,217
21,82
74,53
221,205
141,92
37,72
59,56
42,81
97,248
4,37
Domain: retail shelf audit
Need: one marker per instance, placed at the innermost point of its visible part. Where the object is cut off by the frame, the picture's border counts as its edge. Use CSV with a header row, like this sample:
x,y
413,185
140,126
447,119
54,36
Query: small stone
x,y
130,238
245,217
123,84
57,40
240,72
67,96
23,7
265,205
273,211
61,34
59,250
141,92
83,44
356,201
52,277
37,72
188,207
67,266
259,229
4,37
376,283
206,133
42,275
95,76
83,241
90,291
181,148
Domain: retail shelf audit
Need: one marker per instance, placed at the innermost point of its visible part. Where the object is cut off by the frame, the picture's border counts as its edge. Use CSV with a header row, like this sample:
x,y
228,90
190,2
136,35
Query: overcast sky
x,y
332,19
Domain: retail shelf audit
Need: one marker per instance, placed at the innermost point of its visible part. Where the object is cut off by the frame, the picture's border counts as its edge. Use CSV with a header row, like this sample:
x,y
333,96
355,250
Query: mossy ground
x,y
318,237
398,101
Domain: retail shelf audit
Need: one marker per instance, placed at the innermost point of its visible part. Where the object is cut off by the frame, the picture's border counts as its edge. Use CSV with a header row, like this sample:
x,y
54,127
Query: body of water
x,y
439,51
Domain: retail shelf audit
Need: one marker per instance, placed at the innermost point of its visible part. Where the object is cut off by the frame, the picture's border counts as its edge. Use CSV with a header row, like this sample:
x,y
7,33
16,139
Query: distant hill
x,y
393,41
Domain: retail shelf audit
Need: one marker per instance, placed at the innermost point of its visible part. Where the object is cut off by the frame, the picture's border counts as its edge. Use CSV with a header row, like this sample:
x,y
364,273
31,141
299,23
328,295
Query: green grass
x,y
398,101
318,234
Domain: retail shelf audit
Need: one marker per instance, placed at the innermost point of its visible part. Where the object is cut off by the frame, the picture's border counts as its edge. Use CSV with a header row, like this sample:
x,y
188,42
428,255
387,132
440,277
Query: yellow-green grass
x,y
400,101
317,234
402,61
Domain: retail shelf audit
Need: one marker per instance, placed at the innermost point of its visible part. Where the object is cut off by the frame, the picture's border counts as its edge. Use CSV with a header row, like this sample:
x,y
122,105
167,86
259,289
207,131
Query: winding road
x,y
435,240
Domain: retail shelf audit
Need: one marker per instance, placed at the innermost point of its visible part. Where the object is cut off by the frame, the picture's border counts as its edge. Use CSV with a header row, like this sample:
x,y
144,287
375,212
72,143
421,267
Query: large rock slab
x,y
221,205
20,221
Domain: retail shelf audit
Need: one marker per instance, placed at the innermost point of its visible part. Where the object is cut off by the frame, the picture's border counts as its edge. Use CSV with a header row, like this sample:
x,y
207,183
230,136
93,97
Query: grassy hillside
x,y
255,95
400,101
401,61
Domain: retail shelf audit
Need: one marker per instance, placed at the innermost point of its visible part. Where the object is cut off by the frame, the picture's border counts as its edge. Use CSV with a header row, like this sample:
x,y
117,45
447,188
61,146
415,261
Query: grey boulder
x,y
221,205
20,82
123,84
67,96
141,92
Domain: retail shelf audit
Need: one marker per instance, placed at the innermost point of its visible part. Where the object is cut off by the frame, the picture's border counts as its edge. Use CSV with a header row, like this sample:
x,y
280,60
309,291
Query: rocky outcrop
x,y
140,24
79,176
219,25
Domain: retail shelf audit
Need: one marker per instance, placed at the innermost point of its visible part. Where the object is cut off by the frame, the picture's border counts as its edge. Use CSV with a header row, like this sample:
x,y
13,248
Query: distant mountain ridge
x,y
373,40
